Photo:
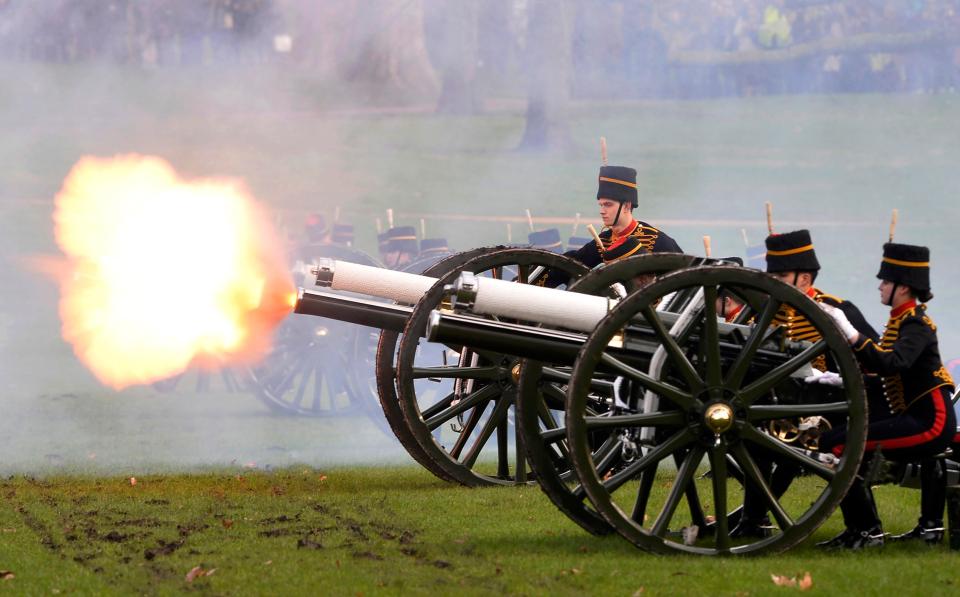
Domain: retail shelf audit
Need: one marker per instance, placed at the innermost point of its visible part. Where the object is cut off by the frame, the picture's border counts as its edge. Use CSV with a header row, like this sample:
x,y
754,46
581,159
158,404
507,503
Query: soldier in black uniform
x,y
918,421
434,246
401,247
342,235
547,240
617,198
792,259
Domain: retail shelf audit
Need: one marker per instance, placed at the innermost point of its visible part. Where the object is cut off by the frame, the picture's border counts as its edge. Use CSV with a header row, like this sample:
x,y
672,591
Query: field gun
x,y
658,378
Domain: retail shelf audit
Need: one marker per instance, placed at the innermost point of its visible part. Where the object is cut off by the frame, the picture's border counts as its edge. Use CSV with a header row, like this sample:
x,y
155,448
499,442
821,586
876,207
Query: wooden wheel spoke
x,y
763,440
555,374
476,415
675,442
679,359
718,470
763,412
672,393
710,341
503,457
771,378
432,410
753,475
498,413
744,359
647,478
523,274
484,393
315,405
488,373
684,477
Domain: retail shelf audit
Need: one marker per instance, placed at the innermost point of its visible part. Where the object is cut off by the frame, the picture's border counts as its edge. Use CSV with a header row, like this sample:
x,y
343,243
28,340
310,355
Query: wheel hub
x,y
718,417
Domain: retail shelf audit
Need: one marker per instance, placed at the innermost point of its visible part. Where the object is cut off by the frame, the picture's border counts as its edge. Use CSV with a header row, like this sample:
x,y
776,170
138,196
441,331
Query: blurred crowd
x,y
154,32
639,48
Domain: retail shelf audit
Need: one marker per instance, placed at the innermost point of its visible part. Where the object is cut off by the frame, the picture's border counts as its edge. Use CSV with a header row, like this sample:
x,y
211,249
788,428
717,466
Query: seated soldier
x,y
919,420
401,248
791,258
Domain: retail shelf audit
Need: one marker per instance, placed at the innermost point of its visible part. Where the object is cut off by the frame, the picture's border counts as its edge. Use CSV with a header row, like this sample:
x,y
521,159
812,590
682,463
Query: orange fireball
x,y
164,271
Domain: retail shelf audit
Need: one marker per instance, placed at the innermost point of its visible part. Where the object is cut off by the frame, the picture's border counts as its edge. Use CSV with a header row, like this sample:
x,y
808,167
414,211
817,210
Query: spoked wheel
x,y
461,410
386,360
202,380
542,401
320,368
719,390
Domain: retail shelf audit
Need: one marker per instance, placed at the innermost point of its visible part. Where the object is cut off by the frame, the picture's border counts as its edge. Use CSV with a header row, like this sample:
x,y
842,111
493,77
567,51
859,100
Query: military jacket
x,y
907,357
652,239
798,328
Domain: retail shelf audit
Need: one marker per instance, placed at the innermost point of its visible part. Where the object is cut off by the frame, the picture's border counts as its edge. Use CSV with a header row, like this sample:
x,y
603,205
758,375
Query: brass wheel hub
x,y
718,417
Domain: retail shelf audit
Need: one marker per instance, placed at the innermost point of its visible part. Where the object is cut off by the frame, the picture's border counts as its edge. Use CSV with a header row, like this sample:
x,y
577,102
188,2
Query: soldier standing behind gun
x,y
617,198
791,258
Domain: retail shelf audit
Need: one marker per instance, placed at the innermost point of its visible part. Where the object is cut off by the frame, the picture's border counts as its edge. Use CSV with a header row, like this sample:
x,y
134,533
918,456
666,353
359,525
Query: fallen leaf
x,y
783,581
806,583
575,571
11,530
227,523
268,562
197,572
6,575
133,480
583,549
323,478
639,592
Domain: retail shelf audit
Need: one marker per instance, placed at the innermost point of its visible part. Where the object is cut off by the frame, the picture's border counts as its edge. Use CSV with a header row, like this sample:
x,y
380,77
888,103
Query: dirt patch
x,y
164,548
115,537
367,555
308,543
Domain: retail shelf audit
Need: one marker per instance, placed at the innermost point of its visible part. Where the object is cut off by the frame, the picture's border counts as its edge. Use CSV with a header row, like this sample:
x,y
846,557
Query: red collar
x,y
812,292
628,231
911,304
731,316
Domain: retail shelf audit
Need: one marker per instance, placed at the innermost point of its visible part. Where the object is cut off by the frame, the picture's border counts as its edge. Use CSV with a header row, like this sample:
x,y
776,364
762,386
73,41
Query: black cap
x,y
908,265
342,234
383,239
791,252
630,246
316,227
575,242
618,183
402,239
434,245
548,240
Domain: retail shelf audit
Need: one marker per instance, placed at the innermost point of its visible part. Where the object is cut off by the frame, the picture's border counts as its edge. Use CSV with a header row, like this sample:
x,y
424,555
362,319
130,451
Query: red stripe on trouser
x,y
910,441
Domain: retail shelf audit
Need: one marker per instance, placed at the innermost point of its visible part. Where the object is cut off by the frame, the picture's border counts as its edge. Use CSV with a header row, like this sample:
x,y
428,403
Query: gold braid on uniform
x,y
893,384
797,328
647,235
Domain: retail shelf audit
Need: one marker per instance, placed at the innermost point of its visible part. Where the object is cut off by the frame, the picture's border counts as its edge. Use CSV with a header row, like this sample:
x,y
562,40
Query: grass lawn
x,y
384,531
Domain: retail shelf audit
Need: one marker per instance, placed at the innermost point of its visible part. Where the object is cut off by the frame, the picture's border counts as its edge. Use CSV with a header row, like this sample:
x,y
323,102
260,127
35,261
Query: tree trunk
x,y
548,72
450,28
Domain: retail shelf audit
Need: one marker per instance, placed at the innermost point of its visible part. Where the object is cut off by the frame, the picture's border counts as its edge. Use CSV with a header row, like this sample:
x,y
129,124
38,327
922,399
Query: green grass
x,y
383,531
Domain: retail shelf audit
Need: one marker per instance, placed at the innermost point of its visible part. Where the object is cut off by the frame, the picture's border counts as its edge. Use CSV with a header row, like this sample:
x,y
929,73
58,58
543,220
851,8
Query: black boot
x,y
928,531
752,528
854,539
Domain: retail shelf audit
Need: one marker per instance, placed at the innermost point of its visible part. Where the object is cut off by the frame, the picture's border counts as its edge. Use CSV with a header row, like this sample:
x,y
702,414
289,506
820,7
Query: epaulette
x,y
836,299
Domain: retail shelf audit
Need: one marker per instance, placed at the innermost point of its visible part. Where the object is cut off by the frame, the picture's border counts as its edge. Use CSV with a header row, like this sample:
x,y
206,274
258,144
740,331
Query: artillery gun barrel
x,y
352,310
636,347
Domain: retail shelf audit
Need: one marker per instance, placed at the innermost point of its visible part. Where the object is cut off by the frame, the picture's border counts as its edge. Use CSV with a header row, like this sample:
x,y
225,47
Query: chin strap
x,y
893,291
616,220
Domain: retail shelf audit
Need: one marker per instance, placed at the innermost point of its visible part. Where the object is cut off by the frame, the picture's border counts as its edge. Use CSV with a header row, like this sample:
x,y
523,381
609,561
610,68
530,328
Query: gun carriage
x,y
605,394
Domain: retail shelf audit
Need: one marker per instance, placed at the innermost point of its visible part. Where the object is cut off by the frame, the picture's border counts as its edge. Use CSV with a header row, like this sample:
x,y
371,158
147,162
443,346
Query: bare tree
x,y
548,75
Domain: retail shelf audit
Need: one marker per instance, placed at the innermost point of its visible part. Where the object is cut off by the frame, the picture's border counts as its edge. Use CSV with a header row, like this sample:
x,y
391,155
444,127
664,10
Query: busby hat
x,y
628,247
383,239
403,239
618,183
548,240
343,234
575,242
791,252
908,265
434,246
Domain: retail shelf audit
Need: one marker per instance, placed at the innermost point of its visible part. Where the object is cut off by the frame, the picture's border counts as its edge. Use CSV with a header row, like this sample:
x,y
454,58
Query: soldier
x,y
548,240
729,304
575,242
343,235
434,246
791,258
316,235
401,246
919,420
617,198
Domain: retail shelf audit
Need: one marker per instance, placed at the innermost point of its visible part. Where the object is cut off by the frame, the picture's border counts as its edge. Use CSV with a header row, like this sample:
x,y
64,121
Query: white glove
x,y
828,378
840,318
